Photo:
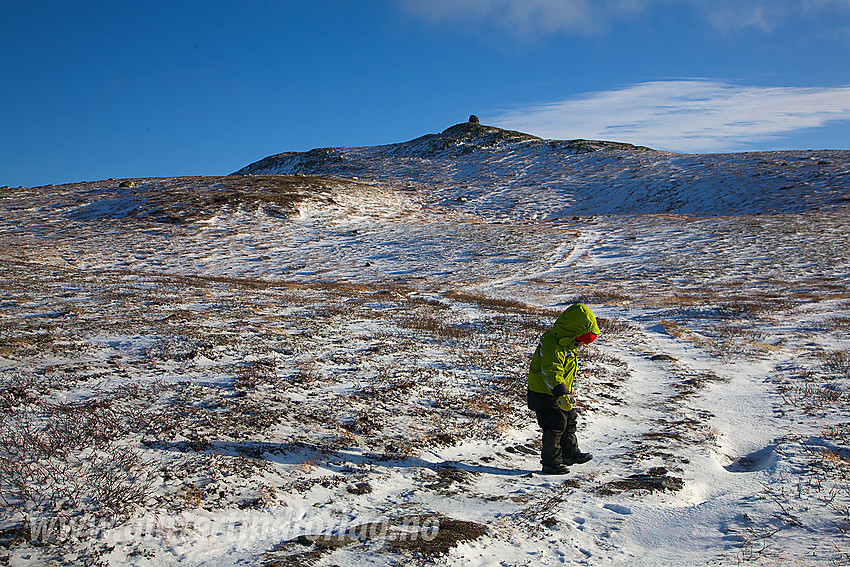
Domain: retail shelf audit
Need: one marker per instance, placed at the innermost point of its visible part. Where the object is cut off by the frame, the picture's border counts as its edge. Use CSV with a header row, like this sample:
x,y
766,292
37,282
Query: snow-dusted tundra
x,y
277,368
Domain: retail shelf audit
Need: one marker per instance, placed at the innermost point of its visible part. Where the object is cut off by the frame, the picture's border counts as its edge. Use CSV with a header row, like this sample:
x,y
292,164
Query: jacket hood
x,y
577,320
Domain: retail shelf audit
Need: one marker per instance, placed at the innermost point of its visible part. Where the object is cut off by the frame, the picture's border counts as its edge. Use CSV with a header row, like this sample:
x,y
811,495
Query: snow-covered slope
x,y
509,175
289,370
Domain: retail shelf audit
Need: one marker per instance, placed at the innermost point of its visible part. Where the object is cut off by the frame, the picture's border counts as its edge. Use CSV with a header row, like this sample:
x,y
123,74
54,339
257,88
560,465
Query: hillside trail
x,y
682,443
574,247
684,437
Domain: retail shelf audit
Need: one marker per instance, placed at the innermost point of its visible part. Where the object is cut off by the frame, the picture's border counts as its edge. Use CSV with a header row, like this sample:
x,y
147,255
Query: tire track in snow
x,y
561,258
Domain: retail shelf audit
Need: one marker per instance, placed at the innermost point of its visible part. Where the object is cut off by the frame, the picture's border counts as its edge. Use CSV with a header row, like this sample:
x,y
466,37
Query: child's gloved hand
x,y
565,402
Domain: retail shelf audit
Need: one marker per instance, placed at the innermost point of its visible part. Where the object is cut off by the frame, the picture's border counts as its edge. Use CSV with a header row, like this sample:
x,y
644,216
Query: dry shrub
x,y
491,407
493,303
835,457
435,327
612,327
756,305
590,353
838,323
813,398
308,371
603,296
674,329
837,362
61,461
738,332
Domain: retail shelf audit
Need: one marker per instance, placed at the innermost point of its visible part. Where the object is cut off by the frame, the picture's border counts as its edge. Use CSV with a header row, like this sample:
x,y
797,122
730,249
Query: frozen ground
x,y
306,371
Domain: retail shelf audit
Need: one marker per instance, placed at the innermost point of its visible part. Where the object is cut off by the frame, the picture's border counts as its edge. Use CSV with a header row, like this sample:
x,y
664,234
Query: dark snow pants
x,y
559,435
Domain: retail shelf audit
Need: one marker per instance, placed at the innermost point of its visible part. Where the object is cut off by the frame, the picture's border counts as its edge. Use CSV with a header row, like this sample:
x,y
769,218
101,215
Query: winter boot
x,y
577,458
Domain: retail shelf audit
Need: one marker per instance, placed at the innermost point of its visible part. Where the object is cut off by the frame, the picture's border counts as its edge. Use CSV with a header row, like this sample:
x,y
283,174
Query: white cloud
x,y
532,18
523,18
683,115
769,15
734,16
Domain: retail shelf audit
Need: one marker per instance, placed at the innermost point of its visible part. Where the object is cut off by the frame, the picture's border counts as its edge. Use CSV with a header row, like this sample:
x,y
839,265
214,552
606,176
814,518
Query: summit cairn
x,y
473,119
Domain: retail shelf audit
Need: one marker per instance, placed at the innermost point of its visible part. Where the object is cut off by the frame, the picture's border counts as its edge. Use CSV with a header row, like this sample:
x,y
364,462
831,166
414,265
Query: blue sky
x,y
92,90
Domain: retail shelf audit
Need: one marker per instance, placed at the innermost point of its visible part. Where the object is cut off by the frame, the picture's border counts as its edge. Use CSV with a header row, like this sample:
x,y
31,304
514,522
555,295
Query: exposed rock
x,y
663,357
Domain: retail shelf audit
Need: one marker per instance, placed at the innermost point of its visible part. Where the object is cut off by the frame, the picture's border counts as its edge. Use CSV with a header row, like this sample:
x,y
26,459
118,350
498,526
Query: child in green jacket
x,y
550,386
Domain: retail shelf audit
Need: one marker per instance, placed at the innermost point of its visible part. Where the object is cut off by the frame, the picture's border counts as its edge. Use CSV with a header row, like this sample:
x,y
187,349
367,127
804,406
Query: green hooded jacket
x,y
553,366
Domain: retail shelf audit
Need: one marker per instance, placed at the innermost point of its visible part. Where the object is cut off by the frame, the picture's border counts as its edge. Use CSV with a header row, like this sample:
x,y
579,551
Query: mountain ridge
x,y
506,175
454,141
